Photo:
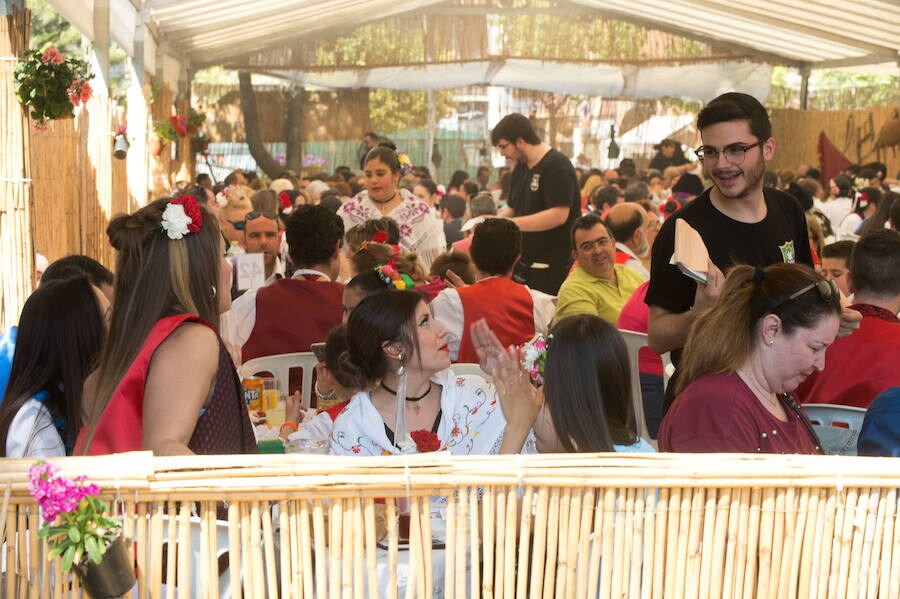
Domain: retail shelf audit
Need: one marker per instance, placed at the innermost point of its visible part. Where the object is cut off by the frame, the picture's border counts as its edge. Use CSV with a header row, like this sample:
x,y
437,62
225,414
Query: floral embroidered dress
x,y
471,421
420,231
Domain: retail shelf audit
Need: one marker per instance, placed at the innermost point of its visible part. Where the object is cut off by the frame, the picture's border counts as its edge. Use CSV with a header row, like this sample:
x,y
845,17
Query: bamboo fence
x,y
589,525
16,253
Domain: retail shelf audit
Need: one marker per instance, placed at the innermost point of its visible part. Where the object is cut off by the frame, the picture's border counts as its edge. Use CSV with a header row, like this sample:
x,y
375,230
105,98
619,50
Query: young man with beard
x,y
738,219
544,201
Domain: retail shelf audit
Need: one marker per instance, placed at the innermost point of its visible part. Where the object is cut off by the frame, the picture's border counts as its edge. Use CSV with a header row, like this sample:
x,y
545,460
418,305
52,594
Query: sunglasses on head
x,y
240,225
827,290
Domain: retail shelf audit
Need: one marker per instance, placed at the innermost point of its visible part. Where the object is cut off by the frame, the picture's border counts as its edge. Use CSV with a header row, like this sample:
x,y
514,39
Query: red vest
x,y
292,314
622,257
505,304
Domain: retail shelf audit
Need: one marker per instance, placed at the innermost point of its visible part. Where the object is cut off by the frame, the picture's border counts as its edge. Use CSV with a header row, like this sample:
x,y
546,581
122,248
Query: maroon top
x,y
718,413
291,314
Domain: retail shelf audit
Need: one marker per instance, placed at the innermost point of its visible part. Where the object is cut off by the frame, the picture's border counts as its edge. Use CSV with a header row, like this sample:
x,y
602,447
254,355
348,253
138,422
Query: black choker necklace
x,y
387,201
408,398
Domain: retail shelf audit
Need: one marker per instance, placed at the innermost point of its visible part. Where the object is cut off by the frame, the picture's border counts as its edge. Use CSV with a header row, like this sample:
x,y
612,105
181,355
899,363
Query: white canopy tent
x,y
170,37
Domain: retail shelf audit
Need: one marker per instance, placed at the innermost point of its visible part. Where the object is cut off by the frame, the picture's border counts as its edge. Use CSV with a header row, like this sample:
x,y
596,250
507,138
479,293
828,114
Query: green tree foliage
x,y
392,111
831,89
50,29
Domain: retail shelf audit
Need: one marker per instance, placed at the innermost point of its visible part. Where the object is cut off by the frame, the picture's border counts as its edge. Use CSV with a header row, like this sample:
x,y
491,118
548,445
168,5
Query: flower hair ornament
x,y
534,357
392,278
181,216
287,204
405,163
222,197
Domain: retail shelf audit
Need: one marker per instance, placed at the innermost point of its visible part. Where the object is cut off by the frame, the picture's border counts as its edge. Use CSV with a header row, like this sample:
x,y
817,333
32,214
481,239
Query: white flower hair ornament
x,y
534,356
181,216
222,197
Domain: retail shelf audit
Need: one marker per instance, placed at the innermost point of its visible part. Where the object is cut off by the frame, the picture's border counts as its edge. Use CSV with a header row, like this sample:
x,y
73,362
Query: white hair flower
x,y
175,221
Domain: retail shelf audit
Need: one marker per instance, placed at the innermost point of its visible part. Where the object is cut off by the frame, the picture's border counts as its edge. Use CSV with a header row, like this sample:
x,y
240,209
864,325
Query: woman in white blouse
x,y
420,230
61,332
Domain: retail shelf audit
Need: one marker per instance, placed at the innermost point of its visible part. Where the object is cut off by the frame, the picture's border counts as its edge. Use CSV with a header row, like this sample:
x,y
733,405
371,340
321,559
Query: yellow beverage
x,y
274,407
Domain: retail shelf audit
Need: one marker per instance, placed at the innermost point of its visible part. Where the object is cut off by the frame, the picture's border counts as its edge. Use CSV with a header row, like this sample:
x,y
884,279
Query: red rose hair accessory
x,y
380,237
181,216
287,204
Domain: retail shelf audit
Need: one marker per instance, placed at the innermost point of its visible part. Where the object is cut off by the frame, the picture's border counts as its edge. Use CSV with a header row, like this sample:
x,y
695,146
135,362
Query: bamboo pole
x,y
525,530
474,549
540,542
887,538
269,550
552,542
371,549
236,557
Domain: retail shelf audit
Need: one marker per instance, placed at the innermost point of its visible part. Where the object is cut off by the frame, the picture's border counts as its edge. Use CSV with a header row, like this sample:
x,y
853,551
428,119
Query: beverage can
x,y
253,387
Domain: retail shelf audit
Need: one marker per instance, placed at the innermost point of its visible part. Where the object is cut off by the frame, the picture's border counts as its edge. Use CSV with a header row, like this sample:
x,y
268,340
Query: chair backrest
x,y
837,426
280,366
635,341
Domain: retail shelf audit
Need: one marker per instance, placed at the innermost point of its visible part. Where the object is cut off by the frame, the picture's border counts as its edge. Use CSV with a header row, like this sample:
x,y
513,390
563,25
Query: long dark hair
x,y
59,340
155,277
587,385
378,319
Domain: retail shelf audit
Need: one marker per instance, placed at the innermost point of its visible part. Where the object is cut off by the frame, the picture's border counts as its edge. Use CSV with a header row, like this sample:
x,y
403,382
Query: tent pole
x,y
804,88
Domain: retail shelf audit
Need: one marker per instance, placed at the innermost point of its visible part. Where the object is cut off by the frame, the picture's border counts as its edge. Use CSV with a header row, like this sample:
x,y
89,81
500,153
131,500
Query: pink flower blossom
x,y
57,494
53,55
86,92
73,97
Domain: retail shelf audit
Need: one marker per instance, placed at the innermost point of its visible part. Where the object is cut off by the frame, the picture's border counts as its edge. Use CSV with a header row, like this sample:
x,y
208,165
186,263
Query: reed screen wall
x,y
607,525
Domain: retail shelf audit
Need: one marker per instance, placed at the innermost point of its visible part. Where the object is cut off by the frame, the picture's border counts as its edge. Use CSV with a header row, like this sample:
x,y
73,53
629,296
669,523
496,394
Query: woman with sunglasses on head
x,y
420,230
767,332
165,381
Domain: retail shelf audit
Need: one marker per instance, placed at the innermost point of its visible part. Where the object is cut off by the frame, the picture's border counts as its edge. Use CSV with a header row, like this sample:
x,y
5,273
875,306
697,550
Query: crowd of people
x,y
530,275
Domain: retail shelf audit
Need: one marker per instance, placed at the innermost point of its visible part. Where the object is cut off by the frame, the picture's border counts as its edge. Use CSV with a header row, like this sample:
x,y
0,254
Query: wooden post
x,y
16,199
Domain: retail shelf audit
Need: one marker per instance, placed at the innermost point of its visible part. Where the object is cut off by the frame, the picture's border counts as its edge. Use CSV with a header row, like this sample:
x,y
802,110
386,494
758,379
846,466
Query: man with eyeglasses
x,y
739,220
544,201
597,284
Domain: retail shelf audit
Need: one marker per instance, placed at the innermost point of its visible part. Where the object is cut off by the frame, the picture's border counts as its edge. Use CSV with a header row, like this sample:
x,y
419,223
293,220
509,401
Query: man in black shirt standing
x,y
738,219
543,201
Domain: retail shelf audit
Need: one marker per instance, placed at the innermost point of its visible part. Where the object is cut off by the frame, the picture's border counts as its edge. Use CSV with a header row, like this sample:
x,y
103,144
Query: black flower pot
x,y
113,576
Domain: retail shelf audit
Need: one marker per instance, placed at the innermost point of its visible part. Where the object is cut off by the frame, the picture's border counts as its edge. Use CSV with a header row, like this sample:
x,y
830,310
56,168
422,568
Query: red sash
x,y
505,304
292,314
622,257
121,427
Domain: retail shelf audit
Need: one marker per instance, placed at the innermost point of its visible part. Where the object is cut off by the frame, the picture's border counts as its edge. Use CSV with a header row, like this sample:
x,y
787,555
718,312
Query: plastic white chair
x,y
280,366
635,341
837,426
195,566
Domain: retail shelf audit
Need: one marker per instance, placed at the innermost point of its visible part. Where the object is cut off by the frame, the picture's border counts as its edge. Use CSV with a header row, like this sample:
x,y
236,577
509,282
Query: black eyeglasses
x,y
828,291
734,153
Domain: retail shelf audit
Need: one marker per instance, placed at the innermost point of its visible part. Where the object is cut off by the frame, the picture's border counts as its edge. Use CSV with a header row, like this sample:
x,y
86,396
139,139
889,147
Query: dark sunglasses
x,y
828,291
240,225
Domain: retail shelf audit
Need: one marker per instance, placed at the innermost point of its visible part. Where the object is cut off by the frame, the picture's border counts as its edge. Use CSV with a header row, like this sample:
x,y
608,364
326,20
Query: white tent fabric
x,y
694,82
859,34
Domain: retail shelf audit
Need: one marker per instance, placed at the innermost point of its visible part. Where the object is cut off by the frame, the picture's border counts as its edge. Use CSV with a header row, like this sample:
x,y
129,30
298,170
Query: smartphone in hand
x,y
318,349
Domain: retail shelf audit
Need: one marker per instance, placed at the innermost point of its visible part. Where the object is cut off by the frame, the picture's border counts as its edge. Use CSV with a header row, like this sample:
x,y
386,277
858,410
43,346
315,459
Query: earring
x,y
214,290
771,341
402,368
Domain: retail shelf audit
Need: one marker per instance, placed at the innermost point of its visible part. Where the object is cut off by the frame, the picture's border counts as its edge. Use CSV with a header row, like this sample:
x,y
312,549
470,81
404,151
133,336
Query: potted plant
x,y
120,143
176,127
50,85
79,529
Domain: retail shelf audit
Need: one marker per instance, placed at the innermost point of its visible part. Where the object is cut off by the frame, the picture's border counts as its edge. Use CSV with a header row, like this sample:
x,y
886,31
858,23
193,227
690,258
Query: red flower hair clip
x,y
286,202
380,237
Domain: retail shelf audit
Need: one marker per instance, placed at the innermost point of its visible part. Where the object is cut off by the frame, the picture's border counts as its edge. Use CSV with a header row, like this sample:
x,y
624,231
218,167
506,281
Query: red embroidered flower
x,y
474,410
380,237
455,432
355,449
425,441
192,209
285,198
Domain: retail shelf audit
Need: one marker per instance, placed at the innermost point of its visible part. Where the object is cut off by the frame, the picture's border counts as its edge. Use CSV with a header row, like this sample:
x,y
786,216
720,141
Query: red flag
x,y
831,161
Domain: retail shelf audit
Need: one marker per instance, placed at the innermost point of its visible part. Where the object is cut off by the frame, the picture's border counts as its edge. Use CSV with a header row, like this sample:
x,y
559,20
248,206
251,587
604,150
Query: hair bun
x,y
388,144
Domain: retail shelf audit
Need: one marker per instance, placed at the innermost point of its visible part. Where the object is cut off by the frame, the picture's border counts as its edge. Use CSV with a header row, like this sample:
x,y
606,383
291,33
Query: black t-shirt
x,y
661,162
779,237
552,182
